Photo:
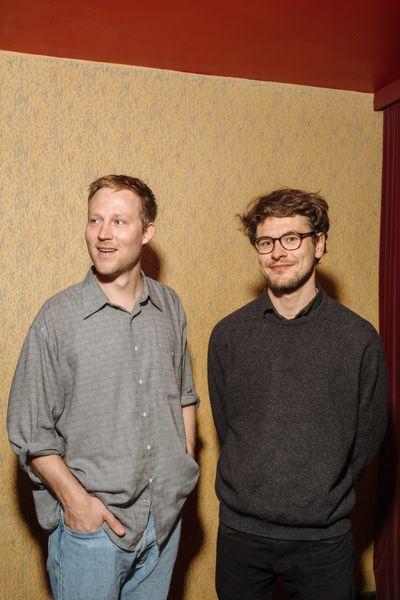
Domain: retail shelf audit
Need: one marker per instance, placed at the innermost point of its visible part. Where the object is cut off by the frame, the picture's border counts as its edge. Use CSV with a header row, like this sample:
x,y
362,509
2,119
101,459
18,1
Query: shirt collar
x,y
94,299
269,308
150,292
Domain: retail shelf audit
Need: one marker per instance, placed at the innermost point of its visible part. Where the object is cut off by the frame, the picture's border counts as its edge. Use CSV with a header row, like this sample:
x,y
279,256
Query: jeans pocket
x,y
81,534
84,534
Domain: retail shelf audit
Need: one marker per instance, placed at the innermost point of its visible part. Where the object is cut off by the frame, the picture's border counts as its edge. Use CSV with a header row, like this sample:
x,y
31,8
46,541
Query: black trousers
x,y
248,566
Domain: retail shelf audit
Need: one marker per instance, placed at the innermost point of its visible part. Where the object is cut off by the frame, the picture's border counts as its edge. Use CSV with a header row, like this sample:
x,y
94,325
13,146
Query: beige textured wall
x,y
206,145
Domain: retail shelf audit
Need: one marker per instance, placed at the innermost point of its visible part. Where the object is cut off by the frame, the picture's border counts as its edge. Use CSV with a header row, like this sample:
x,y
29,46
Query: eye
x,y
119,222
93,220
265,245
291,238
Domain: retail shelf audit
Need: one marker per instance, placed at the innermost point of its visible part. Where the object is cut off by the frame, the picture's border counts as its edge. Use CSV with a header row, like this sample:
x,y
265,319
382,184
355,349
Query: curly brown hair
x,y
148,211
286,202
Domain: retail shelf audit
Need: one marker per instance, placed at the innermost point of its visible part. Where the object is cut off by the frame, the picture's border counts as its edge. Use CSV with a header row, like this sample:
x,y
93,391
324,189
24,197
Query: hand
x,y
88,513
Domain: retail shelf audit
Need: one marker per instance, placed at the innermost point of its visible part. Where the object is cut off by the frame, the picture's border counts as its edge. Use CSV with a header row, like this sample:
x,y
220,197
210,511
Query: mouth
x,y
106,250
280,267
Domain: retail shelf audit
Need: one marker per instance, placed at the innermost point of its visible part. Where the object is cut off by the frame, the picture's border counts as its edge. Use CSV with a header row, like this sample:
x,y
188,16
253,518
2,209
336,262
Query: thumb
x,y
113,523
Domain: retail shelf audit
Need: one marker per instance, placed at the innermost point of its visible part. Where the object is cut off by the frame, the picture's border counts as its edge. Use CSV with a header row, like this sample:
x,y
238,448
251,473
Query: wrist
x,y
73,497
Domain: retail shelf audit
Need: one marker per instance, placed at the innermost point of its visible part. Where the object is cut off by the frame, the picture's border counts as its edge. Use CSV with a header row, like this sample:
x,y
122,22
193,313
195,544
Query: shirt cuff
x,y
38,449
188,399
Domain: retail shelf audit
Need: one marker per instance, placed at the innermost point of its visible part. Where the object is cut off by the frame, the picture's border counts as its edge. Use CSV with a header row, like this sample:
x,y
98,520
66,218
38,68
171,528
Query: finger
x,y
113,523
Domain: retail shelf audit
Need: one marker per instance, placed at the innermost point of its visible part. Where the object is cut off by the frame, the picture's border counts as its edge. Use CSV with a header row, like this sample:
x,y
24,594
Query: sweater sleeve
x,y
36,401
216,386
373,406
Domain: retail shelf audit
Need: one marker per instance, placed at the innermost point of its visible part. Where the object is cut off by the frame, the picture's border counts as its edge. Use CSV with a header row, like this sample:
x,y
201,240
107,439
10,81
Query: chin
x,y
283,287
286,286
105,270
280,284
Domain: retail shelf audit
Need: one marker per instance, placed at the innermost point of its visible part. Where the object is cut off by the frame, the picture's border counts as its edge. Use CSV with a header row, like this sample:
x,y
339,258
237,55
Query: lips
x,y
107,250
280,266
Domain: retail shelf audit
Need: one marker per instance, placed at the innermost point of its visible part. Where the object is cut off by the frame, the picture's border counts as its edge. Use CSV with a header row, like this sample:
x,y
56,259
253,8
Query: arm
x,y
216,386
36,402
81,511
189,422
189,398
373,407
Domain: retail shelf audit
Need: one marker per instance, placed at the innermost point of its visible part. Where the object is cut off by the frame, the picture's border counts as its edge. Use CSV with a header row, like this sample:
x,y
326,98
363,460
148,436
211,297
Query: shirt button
x,y
144,414
136,348
151,480
140,381
148,447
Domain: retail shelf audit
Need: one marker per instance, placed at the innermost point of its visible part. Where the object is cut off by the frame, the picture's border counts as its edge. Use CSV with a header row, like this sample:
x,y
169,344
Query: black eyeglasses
x,y
289,241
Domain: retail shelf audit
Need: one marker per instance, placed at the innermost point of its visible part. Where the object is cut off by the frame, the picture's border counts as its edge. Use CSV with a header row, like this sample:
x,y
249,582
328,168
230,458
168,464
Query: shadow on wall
x,y
190,544
151,263
28,513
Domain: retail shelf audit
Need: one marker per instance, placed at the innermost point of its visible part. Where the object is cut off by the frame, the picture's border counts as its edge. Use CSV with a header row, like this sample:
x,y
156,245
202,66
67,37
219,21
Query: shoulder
x,y
162,291
69,297
349,322
59,306
161,288
235,320
166,298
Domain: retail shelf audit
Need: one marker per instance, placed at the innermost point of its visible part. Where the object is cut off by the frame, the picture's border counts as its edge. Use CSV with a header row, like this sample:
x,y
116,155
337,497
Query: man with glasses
x,y
299,397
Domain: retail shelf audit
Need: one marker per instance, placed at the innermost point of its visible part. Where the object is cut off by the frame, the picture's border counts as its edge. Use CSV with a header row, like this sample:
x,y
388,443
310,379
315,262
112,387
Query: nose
x,y
278,251
105,231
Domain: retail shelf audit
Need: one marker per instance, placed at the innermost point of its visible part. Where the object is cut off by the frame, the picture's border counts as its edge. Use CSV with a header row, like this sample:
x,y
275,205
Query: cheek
x,y
88,235
130,240
263,262
309,259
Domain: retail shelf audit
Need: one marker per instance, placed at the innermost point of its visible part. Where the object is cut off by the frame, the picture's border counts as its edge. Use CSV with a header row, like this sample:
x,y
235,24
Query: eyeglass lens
x,y
289,241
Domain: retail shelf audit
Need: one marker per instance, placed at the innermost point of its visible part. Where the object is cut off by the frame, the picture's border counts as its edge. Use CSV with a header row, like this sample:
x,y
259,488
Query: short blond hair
x,y
148,211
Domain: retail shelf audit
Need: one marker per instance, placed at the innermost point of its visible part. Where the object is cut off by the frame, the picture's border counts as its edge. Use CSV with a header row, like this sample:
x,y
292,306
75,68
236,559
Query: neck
x,y
289,304
123,290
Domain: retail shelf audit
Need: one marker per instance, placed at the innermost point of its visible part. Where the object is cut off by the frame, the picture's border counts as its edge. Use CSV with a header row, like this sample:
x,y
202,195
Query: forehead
x,y
107,200
277,226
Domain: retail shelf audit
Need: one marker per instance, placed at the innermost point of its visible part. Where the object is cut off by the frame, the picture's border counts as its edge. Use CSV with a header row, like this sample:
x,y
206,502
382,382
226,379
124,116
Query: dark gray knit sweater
x,y
300,409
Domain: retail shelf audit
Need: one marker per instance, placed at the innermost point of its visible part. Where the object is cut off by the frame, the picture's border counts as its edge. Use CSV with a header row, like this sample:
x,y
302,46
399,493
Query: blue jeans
x,y
89,566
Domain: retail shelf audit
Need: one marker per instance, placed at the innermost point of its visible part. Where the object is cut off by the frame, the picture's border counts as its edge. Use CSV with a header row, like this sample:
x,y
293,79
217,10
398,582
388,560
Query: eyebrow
x,y
285,233
115,215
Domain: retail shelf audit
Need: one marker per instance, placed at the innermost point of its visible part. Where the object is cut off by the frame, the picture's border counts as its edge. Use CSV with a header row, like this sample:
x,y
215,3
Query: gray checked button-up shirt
x,y
104,389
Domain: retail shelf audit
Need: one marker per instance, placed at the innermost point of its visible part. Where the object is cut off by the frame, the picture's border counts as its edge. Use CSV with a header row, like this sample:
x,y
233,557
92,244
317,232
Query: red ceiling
x,y
344,44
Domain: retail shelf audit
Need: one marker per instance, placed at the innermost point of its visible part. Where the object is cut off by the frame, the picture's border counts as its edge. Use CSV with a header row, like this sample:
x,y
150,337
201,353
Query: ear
x,y
148,233
320,245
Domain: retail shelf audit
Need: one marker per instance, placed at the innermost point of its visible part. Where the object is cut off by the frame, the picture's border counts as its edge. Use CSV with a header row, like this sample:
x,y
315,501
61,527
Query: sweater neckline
x,y
301,321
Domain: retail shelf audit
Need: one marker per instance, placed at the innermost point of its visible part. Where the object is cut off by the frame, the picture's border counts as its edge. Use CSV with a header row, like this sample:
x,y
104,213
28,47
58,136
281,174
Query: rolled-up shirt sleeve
x,y
188,394
36,400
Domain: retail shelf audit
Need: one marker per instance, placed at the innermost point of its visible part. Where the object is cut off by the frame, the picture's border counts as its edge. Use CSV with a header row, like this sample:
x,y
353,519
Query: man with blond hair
x,y
102,412
299,396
